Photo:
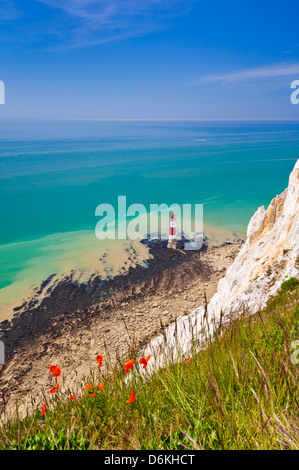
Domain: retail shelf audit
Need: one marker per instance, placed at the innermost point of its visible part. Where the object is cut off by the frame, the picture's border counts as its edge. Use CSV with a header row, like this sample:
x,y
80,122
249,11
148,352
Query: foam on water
x,y
54,175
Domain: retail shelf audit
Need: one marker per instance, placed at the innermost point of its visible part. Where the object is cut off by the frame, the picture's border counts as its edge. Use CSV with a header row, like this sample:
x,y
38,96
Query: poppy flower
x,y
92,395
88,387
144,361
128,365
100,386
57,372
188,359
132,397
44,409
73,397
53,390
99,358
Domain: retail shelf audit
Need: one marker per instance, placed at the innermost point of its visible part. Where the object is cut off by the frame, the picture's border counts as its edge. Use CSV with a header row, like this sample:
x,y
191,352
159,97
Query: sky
x,y
149,59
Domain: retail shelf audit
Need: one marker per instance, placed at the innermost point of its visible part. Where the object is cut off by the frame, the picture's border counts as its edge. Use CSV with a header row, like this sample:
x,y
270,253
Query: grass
x,y
289,285
240,392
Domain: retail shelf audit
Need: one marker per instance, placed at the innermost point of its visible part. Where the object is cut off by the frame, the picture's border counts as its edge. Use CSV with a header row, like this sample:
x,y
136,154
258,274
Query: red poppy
x,y
128,365
132,397
188,359
144,361
88,387
44,409
73,397
100,386
57,372
53,390
99,358
92,395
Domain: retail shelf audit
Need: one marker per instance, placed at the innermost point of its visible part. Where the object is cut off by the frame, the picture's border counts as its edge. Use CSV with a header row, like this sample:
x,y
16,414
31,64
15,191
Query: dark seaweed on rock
x,y
71,304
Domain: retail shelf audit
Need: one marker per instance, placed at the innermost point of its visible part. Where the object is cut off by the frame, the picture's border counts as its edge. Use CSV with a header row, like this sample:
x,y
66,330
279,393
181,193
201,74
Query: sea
x,y
54,174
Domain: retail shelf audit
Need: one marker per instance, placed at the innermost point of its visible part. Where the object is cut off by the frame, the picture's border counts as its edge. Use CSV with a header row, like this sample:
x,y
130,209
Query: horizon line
x,y
152,119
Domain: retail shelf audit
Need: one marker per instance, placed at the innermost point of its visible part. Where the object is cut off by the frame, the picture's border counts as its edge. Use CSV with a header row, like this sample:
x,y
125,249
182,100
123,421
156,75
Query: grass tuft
x,y
240,392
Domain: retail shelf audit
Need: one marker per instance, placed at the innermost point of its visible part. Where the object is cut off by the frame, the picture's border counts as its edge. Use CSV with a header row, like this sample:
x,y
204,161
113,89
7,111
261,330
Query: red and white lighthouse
x,y
172,231
172,241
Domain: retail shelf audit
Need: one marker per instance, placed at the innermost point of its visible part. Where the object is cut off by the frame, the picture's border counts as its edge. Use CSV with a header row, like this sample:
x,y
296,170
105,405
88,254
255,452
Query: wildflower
x,y
55,371
100,386
188,359
53,390
88,386
73,397
128,365
99,358
92,395
44,409
144,361
132,397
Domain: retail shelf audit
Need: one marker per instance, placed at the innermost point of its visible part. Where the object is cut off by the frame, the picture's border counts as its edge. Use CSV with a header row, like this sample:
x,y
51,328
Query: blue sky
x,y
149,59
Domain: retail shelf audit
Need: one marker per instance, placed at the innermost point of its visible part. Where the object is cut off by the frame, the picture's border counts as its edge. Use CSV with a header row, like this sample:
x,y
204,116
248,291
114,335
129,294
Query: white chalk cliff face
x,y
269,257
264,262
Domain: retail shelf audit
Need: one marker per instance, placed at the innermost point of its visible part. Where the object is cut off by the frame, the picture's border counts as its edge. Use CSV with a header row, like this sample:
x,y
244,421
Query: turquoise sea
x,y
54,174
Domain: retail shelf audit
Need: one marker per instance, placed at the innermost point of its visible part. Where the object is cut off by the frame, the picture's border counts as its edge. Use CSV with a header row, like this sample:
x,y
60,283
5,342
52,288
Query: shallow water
x,y
53,175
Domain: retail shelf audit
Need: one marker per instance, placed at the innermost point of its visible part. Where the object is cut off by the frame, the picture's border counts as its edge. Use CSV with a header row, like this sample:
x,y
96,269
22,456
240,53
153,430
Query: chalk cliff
x,y
269,257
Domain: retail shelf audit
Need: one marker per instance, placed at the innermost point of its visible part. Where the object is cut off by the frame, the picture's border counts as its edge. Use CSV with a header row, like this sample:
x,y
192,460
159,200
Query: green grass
x,y
240,392
289,285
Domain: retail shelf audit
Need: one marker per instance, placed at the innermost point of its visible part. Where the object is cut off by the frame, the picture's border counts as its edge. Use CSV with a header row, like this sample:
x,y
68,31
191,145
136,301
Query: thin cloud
x,y
92,22
257,73
8,11
107,11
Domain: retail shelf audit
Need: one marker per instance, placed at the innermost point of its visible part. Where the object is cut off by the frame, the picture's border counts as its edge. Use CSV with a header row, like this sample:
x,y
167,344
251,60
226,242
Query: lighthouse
x,y
172,232
172,241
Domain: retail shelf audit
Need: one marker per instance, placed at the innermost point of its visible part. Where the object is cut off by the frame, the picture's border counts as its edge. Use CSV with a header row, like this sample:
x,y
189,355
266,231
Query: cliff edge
x,y
268,258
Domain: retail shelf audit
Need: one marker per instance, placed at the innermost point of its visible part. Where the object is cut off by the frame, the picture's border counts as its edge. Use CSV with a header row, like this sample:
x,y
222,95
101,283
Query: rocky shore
x,y
268,258
78,321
